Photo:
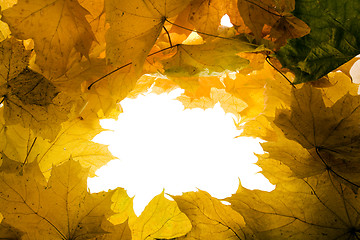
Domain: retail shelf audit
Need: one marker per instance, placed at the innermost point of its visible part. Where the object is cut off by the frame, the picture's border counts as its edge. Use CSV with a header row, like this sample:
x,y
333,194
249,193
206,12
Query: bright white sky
x,y
161,146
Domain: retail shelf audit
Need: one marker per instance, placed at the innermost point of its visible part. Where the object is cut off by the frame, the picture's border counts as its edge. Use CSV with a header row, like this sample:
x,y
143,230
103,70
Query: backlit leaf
x,y
21,145
331,43
210,218
61,210
315,208
49,24
135,26
209,58
161,219
329,134
275,14
205,15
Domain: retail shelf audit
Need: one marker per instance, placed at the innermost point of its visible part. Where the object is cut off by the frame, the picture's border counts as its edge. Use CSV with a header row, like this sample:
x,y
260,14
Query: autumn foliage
x,y
282,70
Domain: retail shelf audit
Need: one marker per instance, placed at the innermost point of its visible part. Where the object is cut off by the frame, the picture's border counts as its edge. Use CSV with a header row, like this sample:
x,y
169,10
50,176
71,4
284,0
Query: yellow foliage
x,y
66,64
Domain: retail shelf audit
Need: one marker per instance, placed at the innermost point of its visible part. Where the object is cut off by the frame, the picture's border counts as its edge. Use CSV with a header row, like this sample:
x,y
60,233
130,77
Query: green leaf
x,y
210,58
333,40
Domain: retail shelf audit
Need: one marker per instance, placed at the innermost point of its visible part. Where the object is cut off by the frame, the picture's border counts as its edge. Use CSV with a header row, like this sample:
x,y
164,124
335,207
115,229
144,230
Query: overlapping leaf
x,y
206,15
329,134
62,209
313,138
211,219
209,58
49,24
315,208
332,41
21,145
275,14
161,219
29,99
135,26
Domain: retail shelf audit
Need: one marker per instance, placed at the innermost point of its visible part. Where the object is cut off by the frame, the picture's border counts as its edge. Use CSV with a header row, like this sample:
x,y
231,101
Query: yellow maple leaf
x,y
115,232
275,171
205,15
62,209
49,24
22,145
275,14
134,28
314,208
210,218
13,58
210,58
161,218
122,207
328,133
104,97
29,98
97,21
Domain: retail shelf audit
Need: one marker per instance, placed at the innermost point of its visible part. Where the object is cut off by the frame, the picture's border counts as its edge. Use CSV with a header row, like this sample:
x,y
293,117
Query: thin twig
x,y
268,61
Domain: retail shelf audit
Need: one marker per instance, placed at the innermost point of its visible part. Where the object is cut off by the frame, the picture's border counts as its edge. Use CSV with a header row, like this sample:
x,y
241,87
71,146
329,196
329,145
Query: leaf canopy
x,y
66,64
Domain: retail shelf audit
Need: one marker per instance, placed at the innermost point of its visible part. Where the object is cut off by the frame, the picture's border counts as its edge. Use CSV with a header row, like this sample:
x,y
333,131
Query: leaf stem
x,y
268,61
128,64
28,153
168,34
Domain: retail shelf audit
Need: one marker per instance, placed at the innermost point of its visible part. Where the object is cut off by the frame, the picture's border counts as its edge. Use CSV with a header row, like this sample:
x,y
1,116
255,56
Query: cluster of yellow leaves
x,y
65,64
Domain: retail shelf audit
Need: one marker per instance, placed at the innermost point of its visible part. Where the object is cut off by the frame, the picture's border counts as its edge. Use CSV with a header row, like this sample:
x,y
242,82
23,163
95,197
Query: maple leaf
x,y
50,23
14,59
105,96
210,58
97,21
161,218
61,209
275,171
331,43
28,97
115,232
276,14
21,145
331,132
134,28
210,218
314,208
250,89
228,102
206,15
312,134
122,207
